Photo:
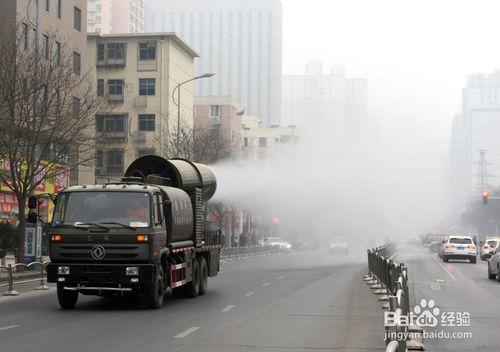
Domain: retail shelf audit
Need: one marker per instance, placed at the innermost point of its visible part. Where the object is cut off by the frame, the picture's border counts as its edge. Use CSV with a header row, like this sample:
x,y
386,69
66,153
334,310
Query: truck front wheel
x,y
203,276
67,298
156,290
193,287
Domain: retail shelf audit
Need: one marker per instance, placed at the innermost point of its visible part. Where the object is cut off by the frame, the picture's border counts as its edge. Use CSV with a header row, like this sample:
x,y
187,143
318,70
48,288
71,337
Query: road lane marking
x,y
9,327
280,277
227,309
444,268
186,332
249,294
265,284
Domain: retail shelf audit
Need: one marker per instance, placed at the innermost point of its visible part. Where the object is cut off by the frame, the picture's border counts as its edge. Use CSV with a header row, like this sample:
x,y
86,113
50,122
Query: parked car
x,y
279,242
338,245
490,244
459,247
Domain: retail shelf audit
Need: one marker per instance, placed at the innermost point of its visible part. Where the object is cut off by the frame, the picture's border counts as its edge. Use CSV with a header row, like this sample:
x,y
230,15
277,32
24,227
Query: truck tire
x,y
445,259
67,299
473,260
193,287
203,276
155,291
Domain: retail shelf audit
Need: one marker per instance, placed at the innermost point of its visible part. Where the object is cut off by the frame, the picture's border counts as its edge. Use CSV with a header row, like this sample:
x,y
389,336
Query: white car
x,y
279,242
459,247
488,247
338,245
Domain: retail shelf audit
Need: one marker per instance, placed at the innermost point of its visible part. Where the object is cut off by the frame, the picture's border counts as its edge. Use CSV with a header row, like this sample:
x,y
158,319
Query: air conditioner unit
x,y
140,136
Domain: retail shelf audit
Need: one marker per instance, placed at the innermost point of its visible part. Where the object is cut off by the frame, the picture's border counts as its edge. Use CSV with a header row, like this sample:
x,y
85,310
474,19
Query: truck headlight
x,y
132,271
63,270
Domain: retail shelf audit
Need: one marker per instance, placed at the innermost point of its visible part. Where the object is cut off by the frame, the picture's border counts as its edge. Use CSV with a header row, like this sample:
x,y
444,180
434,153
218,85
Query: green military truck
x,y
141,235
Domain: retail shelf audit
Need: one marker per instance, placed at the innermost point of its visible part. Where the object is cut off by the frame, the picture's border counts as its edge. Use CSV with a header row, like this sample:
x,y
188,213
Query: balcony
x,y
215,120
115,98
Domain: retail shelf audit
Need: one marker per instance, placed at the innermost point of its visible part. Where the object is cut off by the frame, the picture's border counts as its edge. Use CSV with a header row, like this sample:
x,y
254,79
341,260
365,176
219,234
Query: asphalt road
x,y
302,301
456,286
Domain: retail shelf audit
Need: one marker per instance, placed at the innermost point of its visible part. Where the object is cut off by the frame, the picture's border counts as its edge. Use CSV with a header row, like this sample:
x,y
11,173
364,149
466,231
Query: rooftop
x,y
159,35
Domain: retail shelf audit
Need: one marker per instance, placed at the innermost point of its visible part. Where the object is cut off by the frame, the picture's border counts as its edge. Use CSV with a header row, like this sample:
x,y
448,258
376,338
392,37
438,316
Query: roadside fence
x,y
235,253
32,277
389,280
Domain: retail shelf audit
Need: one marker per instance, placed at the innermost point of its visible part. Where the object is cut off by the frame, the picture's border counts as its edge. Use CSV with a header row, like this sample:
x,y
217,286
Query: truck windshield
x,y
126,208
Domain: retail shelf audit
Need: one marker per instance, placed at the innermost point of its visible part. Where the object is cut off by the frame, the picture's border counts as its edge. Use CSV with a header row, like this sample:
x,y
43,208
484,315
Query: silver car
x,y
494,266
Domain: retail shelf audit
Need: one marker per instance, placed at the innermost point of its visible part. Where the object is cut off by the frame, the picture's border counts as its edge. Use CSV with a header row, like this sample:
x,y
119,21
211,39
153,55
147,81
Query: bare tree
x,y
47,114
198,145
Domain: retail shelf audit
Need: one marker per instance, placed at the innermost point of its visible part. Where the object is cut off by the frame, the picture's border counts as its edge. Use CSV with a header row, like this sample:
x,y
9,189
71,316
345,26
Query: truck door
x,y
159,221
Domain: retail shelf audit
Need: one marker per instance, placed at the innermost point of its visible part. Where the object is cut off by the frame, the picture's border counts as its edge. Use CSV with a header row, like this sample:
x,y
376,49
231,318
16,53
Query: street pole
x,y
178,104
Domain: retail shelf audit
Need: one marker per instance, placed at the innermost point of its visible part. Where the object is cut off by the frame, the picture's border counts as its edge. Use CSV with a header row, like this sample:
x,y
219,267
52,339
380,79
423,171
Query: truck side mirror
x,y
32,217
33,202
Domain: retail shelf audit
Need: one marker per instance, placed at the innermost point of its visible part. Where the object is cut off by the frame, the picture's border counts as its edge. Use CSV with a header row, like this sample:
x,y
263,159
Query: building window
x,y
46,47
116,51
59,8
262,142
147,51
114,161
75,107
110,124
214,136
98,19
100,87
77,19
58,53
147,86
245,142
147,122
100,52
144,152
99,158
214,110
25,36
77,63
115,87
47,5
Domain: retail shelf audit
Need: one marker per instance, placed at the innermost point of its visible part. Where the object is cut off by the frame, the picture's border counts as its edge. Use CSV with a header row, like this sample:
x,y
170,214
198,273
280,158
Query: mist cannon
x,y
179,173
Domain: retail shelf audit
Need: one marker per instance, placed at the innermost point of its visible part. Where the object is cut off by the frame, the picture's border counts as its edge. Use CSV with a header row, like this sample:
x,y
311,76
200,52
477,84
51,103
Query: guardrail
x,y
248,252
10,279
390,280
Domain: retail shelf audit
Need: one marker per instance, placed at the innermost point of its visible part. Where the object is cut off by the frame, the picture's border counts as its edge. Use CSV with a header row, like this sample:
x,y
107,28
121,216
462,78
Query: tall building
x,y
135,74
316,98
238,40
116,16
474,144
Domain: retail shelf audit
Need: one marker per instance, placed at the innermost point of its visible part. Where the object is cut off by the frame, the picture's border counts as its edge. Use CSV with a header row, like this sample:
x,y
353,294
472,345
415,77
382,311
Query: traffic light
x,y
485,197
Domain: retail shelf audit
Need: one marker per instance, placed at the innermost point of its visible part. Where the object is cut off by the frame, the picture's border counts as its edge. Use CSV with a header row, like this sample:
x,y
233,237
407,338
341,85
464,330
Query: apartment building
x,y
135,74
219,118
258,140
62,26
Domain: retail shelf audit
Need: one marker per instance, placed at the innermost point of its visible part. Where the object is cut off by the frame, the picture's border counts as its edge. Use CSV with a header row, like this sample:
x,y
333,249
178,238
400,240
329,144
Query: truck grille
x,y
113,252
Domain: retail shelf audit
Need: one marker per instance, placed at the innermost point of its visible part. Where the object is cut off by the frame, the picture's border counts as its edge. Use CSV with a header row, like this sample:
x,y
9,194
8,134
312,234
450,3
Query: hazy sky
x,y
415,54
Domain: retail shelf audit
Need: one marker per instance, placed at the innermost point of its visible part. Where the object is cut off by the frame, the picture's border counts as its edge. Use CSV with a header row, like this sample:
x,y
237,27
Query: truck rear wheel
x,y
203,276
67,298
155,291
193,287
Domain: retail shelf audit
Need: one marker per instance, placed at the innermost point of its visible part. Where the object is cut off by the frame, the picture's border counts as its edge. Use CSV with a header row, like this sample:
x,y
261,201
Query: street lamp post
x,y
178,104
